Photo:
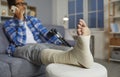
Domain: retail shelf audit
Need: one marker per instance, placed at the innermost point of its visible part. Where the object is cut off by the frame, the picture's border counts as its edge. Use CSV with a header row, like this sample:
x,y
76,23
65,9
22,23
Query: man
x,y
27,35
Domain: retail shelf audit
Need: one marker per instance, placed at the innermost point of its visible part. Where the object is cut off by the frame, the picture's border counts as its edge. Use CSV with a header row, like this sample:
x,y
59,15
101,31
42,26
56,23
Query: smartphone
x,y
13,8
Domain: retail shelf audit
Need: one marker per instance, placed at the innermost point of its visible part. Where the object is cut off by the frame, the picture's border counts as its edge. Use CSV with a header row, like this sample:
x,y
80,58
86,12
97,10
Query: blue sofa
x,y
17,67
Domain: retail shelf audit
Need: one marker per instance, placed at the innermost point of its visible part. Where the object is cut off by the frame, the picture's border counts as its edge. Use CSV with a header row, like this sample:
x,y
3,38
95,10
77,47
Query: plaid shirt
x,y
16,32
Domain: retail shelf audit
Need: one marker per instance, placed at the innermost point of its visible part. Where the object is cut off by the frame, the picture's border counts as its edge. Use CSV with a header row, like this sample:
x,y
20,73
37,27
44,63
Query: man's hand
x,y
82,28
19,13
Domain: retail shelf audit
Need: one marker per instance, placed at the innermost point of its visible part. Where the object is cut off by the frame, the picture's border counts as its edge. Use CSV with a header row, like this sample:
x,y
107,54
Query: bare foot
x,y
82,28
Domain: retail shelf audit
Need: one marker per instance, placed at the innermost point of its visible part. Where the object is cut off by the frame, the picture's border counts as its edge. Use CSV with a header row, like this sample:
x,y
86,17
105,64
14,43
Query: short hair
x,y
11,2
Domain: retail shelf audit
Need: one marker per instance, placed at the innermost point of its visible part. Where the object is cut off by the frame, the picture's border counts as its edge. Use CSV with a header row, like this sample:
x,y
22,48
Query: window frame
x,y
85,14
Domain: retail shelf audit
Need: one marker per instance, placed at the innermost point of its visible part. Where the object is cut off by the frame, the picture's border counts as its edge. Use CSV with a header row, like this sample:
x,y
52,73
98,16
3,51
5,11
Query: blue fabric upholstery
x,y
4,70
20,67
3,40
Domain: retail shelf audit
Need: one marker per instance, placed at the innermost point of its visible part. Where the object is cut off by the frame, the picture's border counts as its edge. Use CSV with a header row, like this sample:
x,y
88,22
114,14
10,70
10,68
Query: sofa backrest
x,y
3,40
59,28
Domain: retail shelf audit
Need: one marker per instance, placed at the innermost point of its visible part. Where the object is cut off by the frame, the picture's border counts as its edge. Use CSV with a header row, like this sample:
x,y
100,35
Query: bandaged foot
x,y
81,51
79,55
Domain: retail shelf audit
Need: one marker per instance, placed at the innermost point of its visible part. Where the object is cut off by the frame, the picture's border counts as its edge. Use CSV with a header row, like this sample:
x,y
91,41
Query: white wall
x,y
44,10
59,11
100,36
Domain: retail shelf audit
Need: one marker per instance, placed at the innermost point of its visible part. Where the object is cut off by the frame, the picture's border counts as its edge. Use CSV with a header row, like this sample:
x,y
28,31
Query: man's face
x,y
21,4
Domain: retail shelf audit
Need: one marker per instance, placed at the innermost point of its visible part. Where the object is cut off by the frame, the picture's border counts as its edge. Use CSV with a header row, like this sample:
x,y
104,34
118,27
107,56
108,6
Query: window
x,y
91,11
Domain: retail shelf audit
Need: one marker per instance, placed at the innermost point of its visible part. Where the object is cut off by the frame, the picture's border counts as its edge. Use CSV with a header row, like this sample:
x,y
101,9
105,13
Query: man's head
x,y
17,3
20,7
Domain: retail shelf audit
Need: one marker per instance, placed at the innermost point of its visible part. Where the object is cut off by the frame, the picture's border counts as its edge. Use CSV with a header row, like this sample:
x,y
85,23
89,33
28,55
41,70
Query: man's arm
x,y
43,30
15,31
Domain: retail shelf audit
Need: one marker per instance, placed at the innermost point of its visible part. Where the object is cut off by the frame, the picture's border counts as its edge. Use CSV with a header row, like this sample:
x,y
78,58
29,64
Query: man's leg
x,y
79,55
30,52
40,54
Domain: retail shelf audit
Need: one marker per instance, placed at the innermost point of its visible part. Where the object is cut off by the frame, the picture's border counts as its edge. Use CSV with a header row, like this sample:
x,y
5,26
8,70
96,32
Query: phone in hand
x,y
13,8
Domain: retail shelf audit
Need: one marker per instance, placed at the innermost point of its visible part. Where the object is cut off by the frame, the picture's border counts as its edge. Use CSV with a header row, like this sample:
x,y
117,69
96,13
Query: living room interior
x,y
98,16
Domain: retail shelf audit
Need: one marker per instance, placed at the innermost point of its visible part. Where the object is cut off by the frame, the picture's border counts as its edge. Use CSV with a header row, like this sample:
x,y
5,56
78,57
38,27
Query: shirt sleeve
x,y
15,31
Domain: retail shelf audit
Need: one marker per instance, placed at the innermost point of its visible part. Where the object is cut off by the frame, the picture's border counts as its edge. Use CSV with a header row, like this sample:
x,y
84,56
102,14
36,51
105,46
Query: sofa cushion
x,y
20,67
3,40
4,70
